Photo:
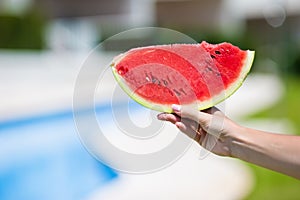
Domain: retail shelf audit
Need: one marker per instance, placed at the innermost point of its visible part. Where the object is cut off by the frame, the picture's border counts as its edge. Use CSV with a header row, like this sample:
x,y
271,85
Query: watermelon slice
x,y
188,74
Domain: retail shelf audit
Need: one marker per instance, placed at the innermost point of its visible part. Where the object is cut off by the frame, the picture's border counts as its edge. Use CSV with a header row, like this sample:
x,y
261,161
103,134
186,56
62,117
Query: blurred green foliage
x,y
269,184
22,32
273,185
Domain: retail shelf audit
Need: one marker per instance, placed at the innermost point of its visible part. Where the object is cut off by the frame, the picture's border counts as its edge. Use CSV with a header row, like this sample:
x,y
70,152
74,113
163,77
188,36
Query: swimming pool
x,y
42,158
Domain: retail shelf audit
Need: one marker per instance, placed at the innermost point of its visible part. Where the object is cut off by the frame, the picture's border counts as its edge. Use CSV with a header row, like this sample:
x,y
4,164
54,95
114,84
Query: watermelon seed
x,y
209,69
154,79
165,82
177,93
122,70
147,77
218,52
182,90
212,56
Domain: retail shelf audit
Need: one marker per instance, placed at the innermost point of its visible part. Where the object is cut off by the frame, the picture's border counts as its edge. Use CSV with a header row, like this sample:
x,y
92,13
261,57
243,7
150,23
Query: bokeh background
x,y
44,42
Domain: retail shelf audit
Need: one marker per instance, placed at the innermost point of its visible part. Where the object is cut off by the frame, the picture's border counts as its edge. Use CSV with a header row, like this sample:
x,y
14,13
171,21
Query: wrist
x,y
247,145
237,141
230,139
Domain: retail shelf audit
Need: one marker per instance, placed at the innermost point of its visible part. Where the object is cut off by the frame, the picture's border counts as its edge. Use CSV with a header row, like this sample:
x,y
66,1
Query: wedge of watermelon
x,y
188,74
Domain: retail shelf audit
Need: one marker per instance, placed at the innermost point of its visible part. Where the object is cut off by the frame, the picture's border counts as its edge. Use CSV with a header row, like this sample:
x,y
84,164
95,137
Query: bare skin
x,y
217,133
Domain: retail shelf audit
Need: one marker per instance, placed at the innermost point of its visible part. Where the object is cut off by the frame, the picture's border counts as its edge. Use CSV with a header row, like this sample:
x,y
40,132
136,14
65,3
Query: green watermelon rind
x,y
199,105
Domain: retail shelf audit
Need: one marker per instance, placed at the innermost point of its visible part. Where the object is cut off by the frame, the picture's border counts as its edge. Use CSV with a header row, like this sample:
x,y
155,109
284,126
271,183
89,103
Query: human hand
x,y
210,128
218,134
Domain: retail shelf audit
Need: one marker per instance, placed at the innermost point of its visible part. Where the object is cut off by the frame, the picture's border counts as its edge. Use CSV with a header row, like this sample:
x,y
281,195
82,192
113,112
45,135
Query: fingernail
x,y
176,107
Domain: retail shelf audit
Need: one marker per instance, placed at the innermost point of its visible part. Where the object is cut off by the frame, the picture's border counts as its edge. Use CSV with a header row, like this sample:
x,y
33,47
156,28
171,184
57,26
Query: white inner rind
x,y
200,105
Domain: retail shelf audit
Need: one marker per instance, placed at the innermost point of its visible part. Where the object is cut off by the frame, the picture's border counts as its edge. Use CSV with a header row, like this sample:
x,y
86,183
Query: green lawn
x,y
269,184
274,186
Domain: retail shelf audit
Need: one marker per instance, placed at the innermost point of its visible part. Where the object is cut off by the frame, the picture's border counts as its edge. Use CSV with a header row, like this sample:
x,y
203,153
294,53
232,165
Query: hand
x,y
210,128
215,132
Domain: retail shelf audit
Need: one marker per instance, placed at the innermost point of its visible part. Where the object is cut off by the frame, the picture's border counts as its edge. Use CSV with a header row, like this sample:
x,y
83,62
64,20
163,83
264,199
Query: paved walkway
x,y
32,84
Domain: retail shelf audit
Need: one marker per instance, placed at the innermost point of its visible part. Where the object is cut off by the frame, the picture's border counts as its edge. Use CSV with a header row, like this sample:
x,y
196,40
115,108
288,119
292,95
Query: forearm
x,y
273,151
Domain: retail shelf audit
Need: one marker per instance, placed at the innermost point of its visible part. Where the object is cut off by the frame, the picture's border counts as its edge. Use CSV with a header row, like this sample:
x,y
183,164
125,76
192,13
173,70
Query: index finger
x,y
191,113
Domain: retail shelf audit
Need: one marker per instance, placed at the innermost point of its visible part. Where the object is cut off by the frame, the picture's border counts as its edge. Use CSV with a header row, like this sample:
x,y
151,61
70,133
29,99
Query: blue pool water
x,y
42,158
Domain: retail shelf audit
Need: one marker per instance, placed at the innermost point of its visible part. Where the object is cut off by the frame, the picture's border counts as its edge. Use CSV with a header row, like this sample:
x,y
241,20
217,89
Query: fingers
x,y
205,127
187,126
189,131
181,126
168,117
192,113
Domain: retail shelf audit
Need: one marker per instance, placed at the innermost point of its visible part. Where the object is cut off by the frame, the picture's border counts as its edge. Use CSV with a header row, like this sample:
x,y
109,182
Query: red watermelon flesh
x,y
162,75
